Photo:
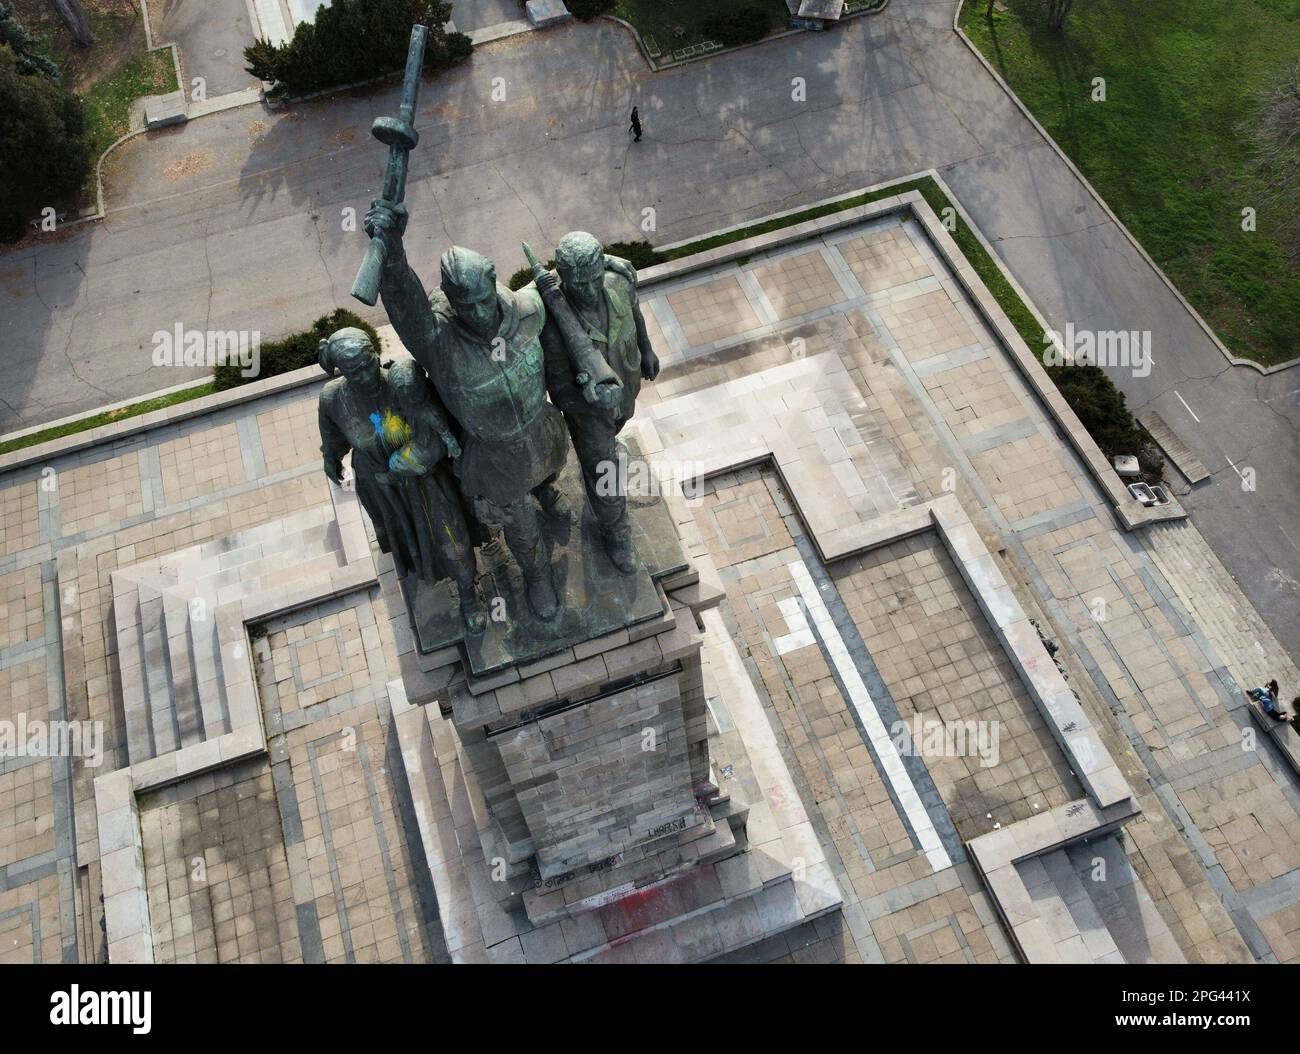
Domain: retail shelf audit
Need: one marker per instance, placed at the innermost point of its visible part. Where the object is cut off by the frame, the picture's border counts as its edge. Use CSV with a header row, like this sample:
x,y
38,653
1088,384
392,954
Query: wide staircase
x,y
1094,906
1244,642
185,664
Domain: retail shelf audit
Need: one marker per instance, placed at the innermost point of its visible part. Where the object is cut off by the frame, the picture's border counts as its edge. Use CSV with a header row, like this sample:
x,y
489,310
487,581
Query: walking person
x,y
635,126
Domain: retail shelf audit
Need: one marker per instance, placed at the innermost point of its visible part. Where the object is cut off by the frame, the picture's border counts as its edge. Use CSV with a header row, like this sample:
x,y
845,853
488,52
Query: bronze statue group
x,y
469,438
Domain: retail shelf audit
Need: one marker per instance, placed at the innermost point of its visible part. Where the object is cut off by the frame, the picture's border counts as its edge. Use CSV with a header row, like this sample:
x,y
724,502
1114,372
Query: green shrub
x,y
524,275
638,254
739,26
353,40
1103,411
44,153
293,352
586,10
459,47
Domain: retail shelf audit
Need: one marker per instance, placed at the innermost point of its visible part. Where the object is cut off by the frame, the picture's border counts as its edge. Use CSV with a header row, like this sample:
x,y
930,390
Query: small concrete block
x,y
508,951
539,689
544,13
568,679
241,743
632,658
818,892
608,642
163,110
199,757
155,772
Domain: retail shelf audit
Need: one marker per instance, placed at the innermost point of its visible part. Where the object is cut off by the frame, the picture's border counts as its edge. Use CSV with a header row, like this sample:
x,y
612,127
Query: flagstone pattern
x,y
854,368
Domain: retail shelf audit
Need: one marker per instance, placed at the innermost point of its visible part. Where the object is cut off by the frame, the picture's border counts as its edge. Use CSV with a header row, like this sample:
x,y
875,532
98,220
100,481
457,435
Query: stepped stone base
x,y
747,868
579,797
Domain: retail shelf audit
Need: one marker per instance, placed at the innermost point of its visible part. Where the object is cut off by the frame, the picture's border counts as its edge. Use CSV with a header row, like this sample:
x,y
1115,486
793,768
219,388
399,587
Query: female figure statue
x,y
402,444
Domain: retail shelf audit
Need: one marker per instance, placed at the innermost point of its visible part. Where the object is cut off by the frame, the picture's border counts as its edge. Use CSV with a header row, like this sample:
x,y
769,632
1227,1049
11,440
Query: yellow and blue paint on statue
x,y
396,436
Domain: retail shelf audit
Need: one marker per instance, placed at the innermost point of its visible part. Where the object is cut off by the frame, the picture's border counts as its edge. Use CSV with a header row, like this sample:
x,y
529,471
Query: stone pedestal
x,y
578,763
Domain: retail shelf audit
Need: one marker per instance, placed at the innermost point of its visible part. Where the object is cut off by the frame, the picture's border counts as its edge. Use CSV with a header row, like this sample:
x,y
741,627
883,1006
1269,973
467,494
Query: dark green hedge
x,y
354,40
638,254
293,352
586,10
740,26
44,153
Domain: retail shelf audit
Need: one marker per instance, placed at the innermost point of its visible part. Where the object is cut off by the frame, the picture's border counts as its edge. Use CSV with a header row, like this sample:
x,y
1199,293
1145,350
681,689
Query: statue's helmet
x,y
345,349
467,275
579,253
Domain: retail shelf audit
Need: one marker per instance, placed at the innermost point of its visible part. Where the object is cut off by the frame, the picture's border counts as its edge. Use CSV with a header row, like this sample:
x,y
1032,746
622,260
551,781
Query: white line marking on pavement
x,y
800,635
1186,407
883,745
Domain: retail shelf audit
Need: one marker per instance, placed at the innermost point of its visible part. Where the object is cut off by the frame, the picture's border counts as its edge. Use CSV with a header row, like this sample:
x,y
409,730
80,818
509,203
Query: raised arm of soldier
x,y
404,296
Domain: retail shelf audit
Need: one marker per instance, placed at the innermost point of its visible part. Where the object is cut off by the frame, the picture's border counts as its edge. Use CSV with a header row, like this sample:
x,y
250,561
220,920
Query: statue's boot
x,y
618,544
553,501
537,578
472,612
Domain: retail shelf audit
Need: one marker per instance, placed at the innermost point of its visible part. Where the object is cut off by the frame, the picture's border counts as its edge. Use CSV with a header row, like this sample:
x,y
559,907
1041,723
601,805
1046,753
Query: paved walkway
x,y
211,35
236,223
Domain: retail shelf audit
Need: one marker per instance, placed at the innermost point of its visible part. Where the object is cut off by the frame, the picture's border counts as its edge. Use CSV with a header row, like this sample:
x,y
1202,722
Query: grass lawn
x,y
672,24
108,102
84,424
1169,149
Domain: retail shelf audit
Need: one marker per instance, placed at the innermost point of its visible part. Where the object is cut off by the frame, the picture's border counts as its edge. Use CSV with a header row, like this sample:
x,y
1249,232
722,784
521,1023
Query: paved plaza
x,y
889,502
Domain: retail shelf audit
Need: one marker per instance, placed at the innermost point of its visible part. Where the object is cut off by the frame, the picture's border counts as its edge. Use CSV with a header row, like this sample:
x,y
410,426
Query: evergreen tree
x,y
24,46
354,40
44,156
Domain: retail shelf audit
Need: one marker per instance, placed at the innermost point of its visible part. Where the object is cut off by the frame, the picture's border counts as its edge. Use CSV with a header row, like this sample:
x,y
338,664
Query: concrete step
x,y
1085,938
163,733
130,648
206,653
1186,462
173,688
719,928
1229,621
1132,920
705,843
184,693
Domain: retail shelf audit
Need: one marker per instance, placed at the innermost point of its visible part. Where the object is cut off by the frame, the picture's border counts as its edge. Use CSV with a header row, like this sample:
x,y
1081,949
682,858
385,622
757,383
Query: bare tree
x,y
74,15
1057,12
1276,136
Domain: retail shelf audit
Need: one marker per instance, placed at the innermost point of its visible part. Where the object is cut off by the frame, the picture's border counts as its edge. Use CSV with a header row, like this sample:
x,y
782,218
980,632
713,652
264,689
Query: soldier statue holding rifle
x,y
481,345
478,341
594,312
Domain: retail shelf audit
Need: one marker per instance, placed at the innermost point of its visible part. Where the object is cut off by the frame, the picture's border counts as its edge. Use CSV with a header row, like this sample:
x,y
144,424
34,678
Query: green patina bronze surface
x,y
509,379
